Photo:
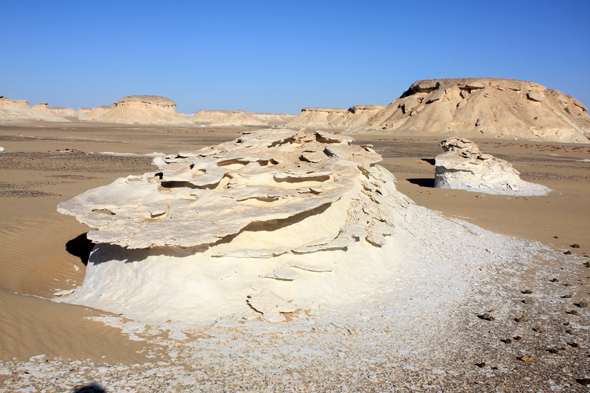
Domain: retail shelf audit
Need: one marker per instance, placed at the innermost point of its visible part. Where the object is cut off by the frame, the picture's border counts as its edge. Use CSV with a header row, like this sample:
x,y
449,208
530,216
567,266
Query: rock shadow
x,y
431,161
80,247
90,388
424,182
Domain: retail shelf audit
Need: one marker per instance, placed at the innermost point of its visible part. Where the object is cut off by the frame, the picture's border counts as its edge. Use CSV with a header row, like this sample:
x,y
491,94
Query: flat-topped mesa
x,y
65,112
319,117
19,110
274,221
486,107
137,109
463,166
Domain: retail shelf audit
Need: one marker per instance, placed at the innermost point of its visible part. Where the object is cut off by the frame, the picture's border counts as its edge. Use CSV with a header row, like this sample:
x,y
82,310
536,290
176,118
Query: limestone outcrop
x,y
64,112
15,110
486,107
319,117
138,109
464,166
222,118
262,226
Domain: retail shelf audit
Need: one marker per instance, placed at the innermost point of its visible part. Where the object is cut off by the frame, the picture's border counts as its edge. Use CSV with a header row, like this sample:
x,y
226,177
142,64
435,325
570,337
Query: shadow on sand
x,y
424,182
80,247
90,388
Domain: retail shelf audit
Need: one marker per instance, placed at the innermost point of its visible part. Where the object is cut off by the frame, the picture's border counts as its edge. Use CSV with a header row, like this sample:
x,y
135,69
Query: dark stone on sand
x,y
568,252
486,317
574,345
529,301
583,381
553,350
520,319
527,292
572,312
539,329
507,341
568,296
517,338
575,245
480,365
582,304
554,280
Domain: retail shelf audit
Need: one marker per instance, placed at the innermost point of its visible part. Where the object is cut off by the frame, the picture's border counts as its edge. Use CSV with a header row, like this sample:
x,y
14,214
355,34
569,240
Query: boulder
x,y
464,166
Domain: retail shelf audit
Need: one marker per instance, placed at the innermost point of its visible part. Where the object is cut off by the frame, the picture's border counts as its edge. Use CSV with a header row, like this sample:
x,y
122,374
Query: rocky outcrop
x,y
20,110
274,118
273,222
360,114
64,112
463,166
319,117
486,107
138,109
222,118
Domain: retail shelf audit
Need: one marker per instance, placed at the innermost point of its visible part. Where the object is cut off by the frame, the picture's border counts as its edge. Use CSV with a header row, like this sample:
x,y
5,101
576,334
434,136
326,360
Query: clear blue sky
x,y
280,56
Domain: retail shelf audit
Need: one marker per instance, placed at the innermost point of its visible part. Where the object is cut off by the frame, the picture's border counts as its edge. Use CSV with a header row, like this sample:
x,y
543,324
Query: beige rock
x,y
509,108
15,110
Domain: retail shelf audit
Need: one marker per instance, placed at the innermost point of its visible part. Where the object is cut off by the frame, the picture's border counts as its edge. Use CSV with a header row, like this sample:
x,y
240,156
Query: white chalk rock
x,y
260,226
463,166
1,149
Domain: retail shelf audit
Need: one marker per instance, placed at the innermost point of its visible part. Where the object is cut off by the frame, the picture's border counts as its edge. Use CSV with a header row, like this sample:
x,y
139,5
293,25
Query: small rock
x,y
527,292
507,341
568,252
572,312
567,284
582,304
568,331
575,245
583,381
480,365
525,358
554,280
574,345
553,350
568,296
539,329
520,319
587,264
517,338
555,237
529,301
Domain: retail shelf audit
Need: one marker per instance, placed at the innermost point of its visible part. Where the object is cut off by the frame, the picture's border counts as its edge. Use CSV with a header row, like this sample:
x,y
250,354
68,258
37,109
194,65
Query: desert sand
x,y
512,318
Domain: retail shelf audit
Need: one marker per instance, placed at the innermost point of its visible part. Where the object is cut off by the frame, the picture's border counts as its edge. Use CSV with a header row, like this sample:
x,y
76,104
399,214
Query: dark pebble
x,y
567,284
575,245
587,264
480,365
582,304
566,296
517,338
568,331
572,312
583,381
529,301
568,252
574,345
555,237
527,292
553,350
539,329
520,319
554,280
508,341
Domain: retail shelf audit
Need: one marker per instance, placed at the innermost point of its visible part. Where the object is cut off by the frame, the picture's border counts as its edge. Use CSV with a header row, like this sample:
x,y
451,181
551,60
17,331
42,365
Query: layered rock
x,y
464,166
360,114
486,107
138,109
319,117
64,112
11,110
223,118
273,222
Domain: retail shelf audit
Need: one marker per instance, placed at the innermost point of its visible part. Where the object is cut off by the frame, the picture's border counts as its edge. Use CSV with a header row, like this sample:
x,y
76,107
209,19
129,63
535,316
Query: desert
x,y
454,269
289,197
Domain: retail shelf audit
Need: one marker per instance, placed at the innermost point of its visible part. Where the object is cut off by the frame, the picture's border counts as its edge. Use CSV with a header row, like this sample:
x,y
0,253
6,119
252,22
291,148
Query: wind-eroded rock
x,y
463,166
490,107
271,223
335,117
11,110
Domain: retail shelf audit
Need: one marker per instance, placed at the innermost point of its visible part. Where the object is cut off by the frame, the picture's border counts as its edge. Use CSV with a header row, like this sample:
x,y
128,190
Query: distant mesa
x,y
464,166
334,117
20,110
64,112
485,107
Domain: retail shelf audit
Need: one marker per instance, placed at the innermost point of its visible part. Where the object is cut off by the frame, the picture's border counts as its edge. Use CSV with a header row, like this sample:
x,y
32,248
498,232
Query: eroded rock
x,y
463,166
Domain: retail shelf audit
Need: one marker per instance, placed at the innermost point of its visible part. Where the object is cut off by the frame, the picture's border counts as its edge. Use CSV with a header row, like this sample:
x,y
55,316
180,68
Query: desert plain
x,y
523,328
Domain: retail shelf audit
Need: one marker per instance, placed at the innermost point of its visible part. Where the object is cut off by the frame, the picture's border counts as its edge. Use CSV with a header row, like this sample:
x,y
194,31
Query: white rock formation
x,y
270,223
222,118
463,166
11,110
492,107
95,114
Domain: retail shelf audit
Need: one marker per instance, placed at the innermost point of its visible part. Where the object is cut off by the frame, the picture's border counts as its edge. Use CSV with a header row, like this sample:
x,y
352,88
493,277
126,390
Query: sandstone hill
x,y
486,107
138,109
354,116
15,110
95,114
64,112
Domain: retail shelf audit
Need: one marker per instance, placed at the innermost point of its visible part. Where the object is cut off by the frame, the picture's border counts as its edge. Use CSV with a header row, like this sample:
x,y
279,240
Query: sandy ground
x,y
42,251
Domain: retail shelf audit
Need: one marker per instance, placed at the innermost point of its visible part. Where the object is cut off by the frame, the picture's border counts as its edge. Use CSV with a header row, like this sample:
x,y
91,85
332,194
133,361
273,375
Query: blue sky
x,y
281,56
